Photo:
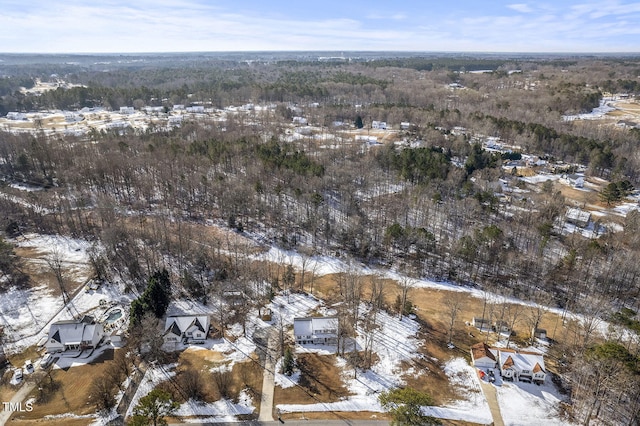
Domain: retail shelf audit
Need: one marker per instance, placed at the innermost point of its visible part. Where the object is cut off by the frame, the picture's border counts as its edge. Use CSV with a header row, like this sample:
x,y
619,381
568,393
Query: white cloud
x,y
520,7
193,25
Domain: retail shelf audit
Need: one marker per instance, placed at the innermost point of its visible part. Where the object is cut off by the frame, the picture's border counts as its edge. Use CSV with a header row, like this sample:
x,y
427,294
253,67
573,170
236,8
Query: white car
x,y
28,366
17,375
46,361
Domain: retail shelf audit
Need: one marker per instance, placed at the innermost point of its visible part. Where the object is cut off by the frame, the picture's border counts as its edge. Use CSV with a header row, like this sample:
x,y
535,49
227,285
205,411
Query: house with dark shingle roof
x,y
185,329
79,334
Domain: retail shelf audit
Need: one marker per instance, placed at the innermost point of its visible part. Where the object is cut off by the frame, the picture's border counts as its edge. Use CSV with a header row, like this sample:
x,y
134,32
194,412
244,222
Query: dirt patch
x,y
199,356
243,375
71,394
35,265
320,381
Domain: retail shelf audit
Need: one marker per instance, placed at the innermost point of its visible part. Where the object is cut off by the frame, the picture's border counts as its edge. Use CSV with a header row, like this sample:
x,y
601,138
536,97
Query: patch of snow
x,y
223,410
283,380
152,378
473,406
600,111
525,404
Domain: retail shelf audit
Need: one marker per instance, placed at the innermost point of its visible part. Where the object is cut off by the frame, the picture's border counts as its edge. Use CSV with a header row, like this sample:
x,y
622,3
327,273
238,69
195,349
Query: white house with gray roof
x,y
185,329
74,335
316,330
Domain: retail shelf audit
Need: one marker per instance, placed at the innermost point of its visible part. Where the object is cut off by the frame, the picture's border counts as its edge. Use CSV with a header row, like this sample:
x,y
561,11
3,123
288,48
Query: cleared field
x,y
70,394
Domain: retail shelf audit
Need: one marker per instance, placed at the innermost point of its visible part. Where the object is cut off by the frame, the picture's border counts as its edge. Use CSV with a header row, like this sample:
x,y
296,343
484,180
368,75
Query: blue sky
x,y
75,26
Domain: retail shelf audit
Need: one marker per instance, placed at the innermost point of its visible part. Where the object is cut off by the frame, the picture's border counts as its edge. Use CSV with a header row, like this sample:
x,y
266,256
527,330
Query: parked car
x,y
17,375
46,361
28,366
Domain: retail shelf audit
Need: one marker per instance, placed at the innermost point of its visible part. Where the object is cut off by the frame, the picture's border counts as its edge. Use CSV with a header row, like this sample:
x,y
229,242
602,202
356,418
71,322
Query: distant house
x,y
127,110
19,116
72,117
483,356
575,180
154,109
175,121
185,329
405,125
522,366
196,109
481,323
178,107
235,298
501,327
578,217
316,330
74,335
380,125
299,120
540,333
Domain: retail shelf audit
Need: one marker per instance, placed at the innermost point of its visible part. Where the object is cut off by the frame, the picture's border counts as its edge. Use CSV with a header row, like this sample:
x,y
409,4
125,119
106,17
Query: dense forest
x,y
425,205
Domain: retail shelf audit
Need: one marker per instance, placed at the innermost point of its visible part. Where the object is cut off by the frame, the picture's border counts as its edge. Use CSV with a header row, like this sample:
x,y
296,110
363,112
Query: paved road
x,y
19,397
492,399
296,423
266,402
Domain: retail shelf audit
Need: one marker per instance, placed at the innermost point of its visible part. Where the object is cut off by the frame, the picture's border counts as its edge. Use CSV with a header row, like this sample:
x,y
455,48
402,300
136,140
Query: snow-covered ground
x,y
27,313
600,111
395,342
473,406
524,404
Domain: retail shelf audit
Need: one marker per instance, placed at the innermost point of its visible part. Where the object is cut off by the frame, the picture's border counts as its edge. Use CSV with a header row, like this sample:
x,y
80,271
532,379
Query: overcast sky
x,y
75,26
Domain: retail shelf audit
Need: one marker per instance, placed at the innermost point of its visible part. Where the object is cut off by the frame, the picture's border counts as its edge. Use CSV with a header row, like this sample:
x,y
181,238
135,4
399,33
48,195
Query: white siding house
x,y
316,330
578,216
196,109
74,335
185,329
381,125
481,323
523,366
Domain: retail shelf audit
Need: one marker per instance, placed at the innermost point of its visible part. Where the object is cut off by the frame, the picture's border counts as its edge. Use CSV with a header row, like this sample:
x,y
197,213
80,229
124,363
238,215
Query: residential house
x,y
127,110
522,366
483,356
540,333
405,125
481,323
185,329
19,116
578,217
154,109
380,125
501,327
316,330
575,180
196,109
74,335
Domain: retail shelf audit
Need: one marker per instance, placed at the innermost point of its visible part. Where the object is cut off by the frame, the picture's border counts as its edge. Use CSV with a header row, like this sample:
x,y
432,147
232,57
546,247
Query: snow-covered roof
x,y
72,332
314,325
179,324
578,215
521,360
